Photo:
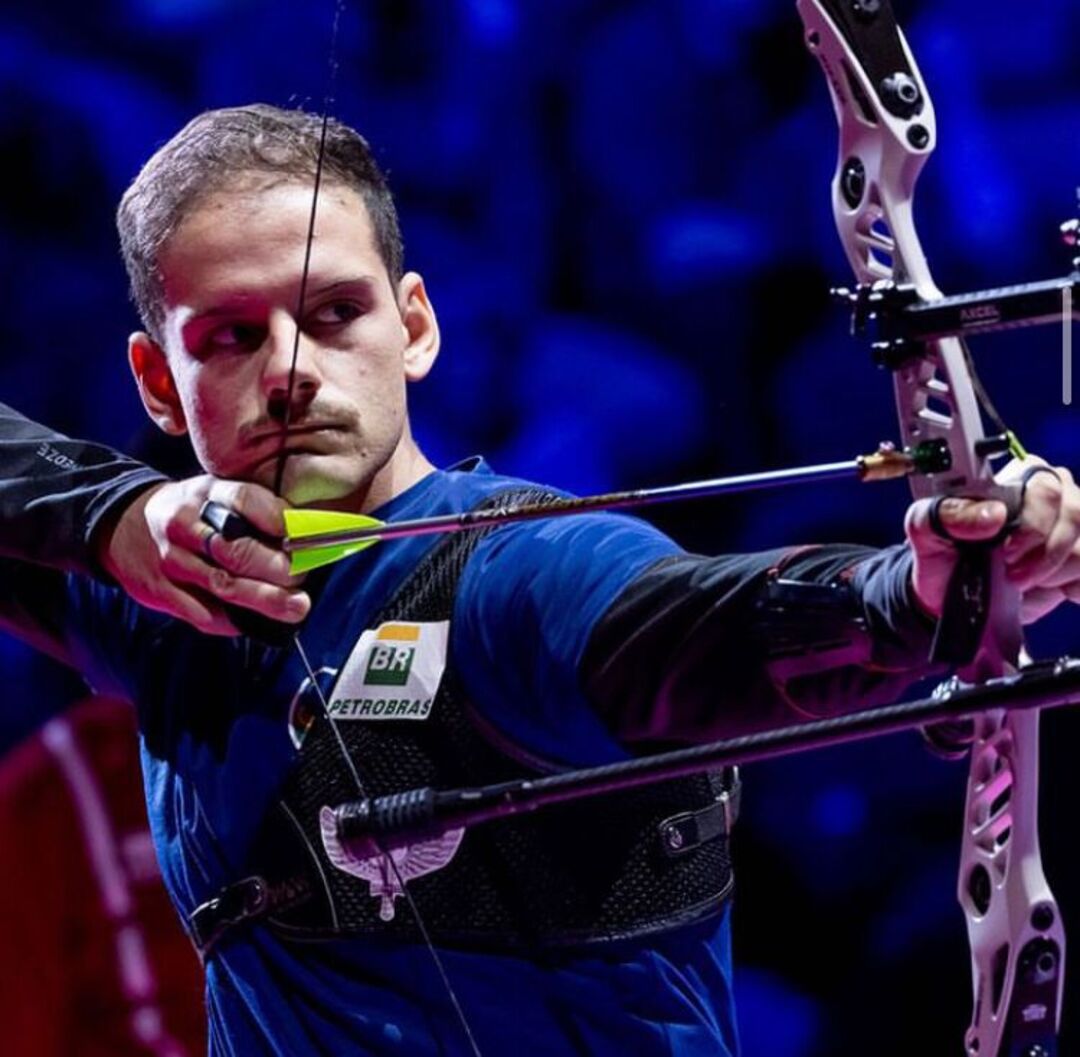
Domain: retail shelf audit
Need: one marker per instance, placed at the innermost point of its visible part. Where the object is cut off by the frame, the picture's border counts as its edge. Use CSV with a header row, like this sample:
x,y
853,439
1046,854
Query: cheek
x,y
210,409
214,412
217,389
371,380
381,397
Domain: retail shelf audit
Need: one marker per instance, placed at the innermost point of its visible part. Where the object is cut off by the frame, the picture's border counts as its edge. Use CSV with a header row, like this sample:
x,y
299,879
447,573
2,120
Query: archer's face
x,y
232,274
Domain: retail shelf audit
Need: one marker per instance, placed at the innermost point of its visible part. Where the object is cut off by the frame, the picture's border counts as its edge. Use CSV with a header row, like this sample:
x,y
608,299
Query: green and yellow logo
x,y
392,654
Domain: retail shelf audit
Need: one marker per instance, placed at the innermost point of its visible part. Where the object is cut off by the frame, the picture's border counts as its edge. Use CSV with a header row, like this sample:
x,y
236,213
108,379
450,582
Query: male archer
x,y
477,658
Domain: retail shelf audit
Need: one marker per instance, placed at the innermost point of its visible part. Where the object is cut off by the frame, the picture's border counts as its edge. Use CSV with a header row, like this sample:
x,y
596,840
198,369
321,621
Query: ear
x,y
421,327
156,385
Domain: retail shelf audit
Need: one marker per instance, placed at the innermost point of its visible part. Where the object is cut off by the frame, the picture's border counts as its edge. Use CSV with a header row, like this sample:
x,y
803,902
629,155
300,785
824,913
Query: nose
x,y
283,338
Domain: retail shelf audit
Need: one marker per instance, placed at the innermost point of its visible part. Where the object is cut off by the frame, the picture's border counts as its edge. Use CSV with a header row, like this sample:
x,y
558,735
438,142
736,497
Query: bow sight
x,y
899,323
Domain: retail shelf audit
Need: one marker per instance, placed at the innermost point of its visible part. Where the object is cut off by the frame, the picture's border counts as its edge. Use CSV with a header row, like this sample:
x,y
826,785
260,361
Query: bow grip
x,y
969,595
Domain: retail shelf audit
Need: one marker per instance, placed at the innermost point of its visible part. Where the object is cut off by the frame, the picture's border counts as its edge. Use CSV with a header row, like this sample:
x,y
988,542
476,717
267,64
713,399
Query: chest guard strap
x,y
583,874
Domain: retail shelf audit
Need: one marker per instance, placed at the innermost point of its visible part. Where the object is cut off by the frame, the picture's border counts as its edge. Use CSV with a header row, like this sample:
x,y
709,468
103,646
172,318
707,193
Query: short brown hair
x,y
219,147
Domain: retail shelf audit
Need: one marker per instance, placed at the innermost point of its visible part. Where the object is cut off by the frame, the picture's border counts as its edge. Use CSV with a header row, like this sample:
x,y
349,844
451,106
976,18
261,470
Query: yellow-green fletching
x,y
310,524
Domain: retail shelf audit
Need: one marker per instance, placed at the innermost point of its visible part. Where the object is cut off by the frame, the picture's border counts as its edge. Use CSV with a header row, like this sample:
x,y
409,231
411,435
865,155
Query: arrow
x,y
319,537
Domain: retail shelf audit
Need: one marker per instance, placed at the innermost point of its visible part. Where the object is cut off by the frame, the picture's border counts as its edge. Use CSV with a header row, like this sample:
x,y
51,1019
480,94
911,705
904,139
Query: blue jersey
x,y
216,748
574,639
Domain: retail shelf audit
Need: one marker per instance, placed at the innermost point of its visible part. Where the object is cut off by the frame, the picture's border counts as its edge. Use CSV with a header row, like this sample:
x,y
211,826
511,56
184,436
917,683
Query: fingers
x,y
1042,542
1038,602
180,526
246,557
184,569
1067,573
935,551
1041,553
202,614
1043,496
277,602
1049,531
260,506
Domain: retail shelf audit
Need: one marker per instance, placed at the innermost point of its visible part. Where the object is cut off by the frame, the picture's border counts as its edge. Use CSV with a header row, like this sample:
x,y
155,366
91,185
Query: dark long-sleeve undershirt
x,y
698,648
55,492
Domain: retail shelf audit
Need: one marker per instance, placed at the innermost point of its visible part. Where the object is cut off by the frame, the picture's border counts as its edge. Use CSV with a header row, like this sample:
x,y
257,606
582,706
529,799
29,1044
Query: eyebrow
x,y
239,301
359,280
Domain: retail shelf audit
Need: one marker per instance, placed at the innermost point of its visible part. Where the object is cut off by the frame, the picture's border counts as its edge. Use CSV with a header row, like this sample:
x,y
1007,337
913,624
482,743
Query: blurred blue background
x,y
622,211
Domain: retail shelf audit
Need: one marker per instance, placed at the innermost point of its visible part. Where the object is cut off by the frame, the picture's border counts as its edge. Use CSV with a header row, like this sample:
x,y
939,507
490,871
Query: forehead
x,y
254,238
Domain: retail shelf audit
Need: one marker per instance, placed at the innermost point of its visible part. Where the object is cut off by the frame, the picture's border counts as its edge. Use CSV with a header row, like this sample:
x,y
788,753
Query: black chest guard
x,y
602,869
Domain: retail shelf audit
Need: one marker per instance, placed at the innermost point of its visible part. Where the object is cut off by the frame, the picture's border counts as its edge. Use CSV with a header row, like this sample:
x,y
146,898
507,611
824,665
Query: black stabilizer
x,y
412,810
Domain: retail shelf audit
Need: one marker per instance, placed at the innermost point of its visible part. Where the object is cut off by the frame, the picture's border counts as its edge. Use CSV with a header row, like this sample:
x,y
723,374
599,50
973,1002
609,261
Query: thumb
x,y
961,520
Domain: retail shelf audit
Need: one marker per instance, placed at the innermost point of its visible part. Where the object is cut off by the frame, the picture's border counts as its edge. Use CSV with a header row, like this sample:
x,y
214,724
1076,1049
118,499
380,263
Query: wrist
x,y
920,607
115,528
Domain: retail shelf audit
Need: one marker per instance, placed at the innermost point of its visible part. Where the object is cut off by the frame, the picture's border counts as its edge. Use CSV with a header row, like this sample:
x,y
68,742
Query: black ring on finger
x,y
935,519
939,529
207,545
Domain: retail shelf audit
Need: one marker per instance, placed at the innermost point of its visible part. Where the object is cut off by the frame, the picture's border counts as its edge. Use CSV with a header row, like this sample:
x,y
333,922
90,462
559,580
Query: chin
x,y
306,486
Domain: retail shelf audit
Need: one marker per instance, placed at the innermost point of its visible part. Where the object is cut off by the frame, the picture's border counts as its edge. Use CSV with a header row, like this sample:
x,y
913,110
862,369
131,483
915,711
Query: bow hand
x,y
1039,540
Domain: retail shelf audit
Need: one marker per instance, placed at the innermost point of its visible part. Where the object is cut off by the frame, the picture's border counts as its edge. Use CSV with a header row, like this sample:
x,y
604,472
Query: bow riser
x,y
887,132
877,171
935,397
1014,927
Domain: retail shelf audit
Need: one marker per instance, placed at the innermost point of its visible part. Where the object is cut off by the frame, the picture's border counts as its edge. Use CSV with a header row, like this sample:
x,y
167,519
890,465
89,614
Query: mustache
x,y
316,416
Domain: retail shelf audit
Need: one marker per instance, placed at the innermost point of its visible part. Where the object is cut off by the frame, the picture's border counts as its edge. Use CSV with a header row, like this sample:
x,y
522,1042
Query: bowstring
x,y
433,951
279,476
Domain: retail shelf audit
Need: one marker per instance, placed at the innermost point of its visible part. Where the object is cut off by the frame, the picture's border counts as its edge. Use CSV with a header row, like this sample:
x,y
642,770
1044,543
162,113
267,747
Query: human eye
x,y
233,337
335,313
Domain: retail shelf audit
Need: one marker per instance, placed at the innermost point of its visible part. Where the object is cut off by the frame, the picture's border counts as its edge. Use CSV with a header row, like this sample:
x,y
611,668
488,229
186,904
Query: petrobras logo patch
x,y
381,707
393,673
391,656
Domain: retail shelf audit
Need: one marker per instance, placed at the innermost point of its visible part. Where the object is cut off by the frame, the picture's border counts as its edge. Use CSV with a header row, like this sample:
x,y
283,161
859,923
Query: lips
x,y
301,440
274,436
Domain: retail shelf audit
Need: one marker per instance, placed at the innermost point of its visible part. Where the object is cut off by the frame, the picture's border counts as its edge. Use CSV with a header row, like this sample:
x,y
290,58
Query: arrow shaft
x,y
477,519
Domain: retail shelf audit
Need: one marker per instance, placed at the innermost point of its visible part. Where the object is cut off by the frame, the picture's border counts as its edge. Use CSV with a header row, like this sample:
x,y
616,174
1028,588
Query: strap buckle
x,y
685,832
234,904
